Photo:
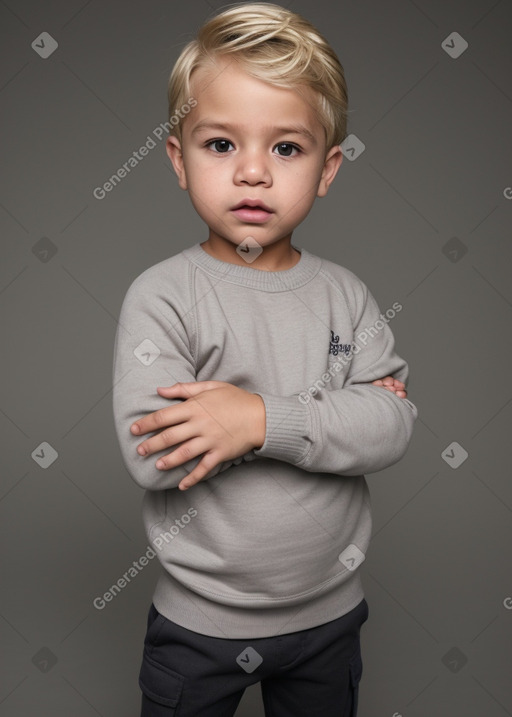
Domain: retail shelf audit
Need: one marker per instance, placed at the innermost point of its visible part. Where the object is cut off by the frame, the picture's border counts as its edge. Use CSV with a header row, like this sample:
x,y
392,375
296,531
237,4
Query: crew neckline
x,y
302,272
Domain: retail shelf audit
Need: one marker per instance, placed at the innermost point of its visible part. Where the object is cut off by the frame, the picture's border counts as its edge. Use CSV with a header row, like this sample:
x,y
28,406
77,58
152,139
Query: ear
x,y
333,160
173,149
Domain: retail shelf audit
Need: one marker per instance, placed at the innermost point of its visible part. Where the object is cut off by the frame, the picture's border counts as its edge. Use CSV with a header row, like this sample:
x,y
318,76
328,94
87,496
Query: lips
x,y
252,211
252,204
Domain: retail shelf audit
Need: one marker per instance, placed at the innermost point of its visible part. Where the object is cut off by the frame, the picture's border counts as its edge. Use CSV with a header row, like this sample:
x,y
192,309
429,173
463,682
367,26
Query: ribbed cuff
x,y
288,428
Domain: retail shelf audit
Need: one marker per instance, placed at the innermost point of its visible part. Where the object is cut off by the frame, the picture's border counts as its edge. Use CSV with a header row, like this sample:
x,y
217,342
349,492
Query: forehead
x,y
223,86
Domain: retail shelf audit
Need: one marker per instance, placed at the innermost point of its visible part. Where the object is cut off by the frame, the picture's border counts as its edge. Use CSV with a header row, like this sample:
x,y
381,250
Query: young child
x,y
268,380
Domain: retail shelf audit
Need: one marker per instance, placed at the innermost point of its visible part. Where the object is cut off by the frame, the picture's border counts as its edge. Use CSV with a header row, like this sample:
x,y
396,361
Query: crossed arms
x,y
201,428
217,418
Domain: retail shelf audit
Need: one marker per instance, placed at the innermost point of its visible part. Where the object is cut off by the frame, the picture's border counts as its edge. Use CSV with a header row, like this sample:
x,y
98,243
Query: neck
x,y
275,257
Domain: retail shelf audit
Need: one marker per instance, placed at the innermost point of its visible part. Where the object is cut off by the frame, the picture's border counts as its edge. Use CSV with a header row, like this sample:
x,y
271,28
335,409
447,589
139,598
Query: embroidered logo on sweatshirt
x,y
336,348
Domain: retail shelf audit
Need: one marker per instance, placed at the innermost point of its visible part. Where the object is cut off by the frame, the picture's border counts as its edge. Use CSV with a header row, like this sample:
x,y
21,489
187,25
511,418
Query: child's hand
x,y
217,418
393,385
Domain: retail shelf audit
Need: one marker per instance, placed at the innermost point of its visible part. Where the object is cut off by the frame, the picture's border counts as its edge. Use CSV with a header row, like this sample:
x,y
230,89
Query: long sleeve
x,y
152,348
356,429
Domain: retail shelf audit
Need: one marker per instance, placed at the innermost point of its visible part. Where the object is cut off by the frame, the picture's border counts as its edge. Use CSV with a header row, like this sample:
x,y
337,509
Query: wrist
x,y
259,422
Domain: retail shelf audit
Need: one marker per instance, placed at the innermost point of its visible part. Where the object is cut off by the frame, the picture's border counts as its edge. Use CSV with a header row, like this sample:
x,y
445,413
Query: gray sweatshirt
x,y
271,542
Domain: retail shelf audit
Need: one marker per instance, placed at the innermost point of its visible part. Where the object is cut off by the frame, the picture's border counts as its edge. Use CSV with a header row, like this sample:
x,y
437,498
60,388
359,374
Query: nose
x,y
253,168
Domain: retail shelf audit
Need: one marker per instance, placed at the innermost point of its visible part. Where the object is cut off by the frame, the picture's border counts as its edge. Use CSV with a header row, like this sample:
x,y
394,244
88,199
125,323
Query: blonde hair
x,y
272,44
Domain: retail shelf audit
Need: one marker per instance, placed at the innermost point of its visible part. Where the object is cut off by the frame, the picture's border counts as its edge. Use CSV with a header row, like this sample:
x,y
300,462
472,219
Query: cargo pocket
x,y
161,689
356,672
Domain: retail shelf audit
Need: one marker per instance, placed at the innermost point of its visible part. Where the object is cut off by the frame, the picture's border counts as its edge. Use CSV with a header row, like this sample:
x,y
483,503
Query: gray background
x,y
423,216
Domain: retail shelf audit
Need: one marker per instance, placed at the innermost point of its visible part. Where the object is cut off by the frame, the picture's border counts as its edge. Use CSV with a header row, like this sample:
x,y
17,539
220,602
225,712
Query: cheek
x,y
300,188
306,177
206,193
199,181
205,176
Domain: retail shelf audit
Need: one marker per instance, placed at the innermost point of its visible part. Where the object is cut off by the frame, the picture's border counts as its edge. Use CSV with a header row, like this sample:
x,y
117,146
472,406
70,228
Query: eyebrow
x,y
291,129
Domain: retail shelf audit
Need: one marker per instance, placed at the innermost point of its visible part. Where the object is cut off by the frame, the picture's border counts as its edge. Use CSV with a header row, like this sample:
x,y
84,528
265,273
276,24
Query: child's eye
x,y
220,145
286,149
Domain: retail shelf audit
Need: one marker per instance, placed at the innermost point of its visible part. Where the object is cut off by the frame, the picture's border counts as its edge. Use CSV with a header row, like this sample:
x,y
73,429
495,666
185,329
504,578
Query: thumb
x,y
187,389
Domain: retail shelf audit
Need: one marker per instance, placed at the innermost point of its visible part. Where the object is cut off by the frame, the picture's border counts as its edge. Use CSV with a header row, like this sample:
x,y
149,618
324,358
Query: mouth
x,y
252,210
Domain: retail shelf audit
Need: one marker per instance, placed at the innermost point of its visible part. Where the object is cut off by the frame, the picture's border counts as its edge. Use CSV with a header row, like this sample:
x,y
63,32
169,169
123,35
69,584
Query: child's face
x,y
243,141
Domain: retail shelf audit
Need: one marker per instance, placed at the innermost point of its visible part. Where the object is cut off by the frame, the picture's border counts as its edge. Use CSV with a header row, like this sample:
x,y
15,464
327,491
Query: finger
x,y
208,462
388,381
401,394
378,382
168,437
168,416
191,480
187,389
399,384
177,388
186,452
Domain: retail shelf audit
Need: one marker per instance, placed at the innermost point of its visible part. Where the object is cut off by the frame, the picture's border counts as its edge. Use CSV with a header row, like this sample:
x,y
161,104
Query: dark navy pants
x,y
310,673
